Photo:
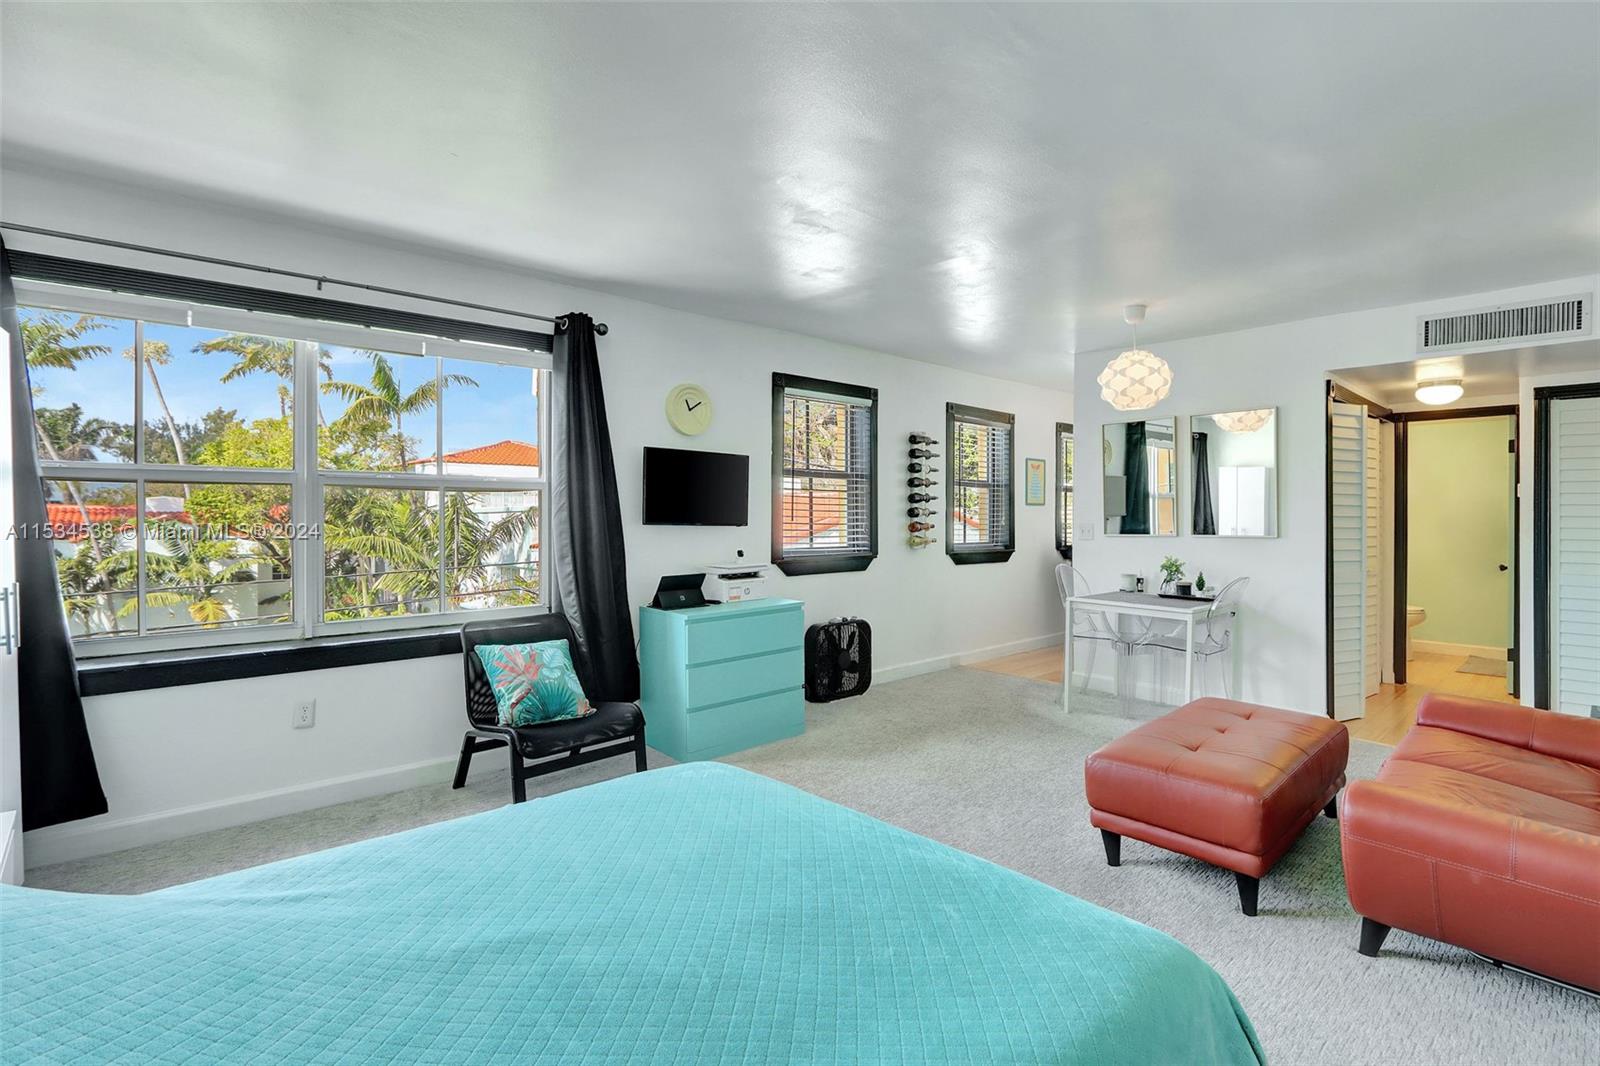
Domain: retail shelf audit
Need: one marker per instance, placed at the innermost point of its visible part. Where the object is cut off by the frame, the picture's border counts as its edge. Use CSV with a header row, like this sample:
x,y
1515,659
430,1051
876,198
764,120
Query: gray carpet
x,y
986,763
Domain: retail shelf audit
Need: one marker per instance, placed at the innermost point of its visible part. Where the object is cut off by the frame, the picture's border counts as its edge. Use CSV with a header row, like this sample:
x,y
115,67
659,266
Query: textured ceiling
x,y
983,186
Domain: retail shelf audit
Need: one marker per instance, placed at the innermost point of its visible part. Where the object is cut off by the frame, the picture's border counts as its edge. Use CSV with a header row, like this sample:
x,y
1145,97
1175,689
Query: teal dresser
x,y
722,678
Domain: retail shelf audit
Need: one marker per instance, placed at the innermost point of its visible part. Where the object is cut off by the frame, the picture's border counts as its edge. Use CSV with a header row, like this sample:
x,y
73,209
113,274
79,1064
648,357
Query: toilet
x,y
1415,616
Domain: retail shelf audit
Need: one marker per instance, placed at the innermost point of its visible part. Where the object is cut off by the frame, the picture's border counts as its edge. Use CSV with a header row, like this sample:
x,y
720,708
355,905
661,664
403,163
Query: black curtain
x,y
1135,470
1205,512
591,581
60,782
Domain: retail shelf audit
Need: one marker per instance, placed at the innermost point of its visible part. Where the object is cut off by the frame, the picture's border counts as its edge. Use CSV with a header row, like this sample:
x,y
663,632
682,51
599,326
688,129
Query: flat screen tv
x,y
685,488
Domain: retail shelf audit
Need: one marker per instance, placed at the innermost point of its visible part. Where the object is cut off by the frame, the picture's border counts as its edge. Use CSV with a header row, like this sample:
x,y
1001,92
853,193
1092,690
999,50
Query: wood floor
x,y
1041,665
1393,709
1389,713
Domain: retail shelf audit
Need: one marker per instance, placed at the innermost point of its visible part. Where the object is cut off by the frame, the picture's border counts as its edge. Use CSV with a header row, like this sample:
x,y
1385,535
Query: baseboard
x,y
80,840
885,674
1444,647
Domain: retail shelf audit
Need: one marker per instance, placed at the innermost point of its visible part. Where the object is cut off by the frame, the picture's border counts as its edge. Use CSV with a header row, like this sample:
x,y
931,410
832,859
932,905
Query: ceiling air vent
x,y
1506,324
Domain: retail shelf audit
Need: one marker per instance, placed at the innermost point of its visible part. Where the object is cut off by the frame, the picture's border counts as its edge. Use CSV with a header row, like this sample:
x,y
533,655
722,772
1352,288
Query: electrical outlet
x,y
305,714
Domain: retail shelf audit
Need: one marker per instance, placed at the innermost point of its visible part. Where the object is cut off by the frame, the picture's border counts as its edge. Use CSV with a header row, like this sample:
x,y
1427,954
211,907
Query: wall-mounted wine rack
x,y
922,501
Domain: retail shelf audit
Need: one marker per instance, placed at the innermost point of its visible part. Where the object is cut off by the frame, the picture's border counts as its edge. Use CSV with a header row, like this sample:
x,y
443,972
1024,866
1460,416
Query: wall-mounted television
x,y
687,488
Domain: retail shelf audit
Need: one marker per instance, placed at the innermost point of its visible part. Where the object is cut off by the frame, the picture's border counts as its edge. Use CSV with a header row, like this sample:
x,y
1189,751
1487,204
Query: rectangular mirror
x,y
1234,456
1140,467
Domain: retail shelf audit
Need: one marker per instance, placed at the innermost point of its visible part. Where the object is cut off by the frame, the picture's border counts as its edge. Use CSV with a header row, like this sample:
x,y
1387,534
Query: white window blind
x,y
1575,555
1064,487
981,482
1372,602
827,493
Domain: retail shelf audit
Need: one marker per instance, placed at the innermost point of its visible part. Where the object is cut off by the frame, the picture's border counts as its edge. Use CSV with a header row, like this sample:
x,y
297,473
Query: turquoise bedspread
x,y
693,914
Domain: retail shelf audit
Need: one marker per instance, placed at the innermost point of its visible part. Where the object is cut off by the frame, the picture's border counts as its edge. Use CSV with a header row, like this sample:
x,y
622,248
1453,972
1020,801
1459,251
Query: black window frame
x,y
1064,488
823,562
990,552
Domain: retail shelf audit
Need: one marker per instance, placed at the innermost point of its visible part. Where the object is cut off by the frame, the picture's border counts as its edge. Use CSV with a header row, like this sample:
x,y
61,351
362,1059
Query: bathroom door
x,y
1511,566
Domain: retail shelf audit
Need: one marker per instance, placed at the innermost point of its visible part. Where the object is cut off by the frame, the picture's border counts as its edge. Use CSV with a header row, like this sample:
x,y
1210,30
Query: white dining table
x,y
1147,605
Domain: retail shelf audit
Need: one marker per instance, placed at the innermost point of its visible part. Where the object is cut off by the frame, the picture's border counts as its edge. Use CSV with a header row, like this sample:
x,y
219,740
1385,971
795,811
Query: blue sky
x,y
500,408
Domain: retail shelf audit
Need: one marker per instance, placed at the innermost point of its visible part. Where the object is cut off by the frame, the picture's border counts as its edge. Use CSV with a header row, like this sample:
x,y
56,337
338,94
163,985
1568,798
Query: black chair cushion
x,y
610,721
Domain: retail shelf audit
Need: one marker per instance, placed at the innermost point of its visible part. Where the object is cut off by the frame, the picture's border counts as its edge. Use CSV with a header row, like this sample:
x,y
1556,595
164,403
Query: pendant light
x,y
1136,379
1243,421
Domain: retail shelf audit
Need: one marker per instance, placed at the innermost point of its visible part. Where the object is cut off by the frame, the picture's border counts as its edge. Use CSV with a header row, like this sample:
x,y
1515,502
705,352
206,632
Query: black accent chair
x,y
613,728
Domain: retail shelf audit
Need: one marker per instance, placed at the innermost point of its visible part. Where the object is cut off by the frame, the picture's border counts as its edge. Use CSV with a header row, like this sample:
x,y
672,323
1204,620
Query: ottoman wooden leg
x,y
1372,937
1332,809
1113,844
1249,890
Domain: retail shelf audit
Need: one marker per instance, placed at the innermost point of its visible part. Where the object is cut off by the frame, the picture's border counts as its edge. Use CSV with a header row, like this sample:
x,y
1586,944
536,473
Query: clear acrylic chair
x,y
1213,634
1092,626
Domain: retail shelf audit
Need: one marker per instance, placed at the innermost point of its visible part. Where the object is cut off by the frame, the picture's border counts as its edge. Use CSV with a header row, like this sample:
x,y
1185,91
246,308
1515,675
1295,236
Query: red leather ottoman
x,y
1230,783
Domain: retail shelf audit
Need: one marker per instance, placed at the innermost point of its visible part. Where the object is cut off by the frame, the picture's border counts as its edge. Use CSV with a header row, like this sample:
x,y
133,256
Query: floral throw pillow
x,y
533,683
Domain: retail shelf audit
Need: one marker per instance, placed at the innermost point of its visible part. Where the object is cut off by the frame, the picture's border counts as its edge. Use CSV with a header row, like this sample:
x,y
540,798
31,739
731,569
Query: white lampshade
x,y
1134,380
1444,390
1243,421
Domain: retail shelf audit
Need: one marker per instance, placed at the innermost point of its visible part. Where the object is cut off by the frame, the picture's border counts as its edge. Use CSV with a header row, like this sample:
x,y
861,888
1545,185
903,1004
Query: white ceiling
x,y
1484,375
977,185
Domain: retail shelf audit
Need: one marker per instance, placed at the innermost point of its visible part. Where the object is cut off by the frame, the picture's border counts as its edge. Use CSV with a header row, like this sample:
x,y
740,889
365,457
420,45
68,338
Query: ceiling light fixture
x,y
1440,390
1136,379
1243,421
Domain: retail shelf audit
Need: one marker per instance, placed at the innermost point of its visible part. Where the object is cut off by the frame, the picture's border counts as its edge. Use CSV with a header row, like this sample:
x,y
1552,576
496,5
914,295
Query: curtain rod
x,y
561,323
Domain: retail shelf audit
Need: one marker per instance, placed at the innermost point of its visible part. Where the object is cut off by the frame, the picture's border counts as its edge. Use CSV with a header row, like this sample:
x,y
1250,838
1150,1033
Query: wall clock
x,y
689,409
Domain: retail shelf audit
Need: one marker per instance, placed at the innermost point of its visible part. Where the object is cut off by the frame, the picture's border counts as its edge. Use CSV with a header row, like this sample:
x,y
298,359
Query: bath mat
x,y
1482,664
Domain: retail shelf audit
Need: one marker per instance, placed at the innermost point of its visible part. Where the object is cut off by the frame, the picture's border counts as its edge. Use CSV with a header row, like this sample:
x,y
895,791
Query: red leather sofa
x,y
1483,830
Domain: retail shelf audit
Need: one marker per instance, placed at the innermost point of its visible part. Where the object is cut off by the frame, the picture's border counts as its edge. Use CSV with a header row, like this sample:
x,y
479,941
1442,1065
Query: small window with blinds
x,y
824,475
981,497
1064,489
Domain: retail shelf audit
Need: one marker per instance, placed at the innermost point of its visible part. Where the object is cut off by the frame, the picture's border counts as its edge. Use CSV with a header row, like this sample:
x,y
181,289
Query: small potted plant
x,y
1171,572
1200,583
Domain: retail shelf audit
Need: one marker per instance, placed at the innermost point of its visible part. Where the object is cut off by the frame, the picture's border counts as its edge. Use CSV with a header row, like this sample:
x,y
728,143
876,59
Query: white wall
x,y
1284,366
183,759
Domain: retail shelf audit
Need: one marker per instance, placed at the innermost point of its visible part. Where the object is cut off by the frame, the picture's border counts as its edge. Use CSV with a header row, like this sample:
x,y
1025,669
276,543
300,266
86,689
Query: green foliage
x,y
231,553
1171,569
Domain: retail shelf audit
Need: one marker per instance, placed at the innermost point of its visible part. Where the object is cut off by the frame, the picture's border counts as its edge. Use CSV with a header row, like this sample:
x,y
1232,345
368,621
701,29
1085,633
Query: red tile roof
x,y
500,453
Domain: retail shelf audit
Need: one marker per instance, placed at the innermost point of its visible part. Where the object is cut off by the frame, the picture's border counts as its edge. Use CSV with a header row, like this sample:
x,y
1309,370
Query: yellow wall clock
x,y
689,409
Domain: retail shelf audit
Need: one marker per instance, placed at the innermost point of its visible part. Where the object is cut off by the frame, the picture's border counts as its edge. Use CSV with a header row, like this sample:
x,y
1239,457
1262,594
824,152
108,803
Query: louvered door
x,y
1348,521
1575,555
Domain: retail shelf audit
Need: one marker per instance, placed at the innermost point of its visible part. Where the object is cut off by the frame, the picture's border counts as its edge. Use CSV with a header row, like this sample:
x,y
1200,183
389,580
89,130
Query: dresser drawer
x,y
739,679
735,726
714,638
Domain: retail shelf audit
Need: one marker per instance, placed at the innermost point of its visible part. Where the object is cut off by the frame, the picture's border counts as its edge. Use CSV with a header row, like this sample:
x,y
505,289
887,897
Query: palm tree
x,y
55,340
191,573
158,353
255,354
381,401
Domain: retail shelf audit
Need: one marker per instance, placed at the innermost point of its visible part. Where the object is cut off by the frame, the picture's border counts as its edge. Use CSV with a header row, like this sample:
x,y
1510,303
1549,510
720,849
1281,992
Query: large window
x,y
214,476
1064,489
982,507
824,475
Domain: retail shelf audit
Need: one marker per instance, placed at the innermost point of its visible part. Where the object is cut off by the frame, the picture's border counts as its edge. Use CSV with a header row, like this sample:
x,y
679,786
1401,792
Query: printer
x,y
736,581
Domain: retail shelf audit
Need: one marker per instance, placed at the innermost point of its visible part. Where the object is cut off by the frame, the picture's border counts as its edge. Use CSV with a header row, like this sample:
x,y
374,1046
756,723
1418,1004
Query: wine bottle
x,y
919,527
917,468
921,453
920,482
920,540
920,512
918,497
922,438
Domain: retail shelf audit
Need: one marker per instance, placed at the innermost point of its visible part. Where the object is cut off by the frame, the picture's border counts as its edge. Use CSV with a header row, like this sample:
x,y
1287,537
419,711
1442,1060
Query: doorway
x,y
1423,539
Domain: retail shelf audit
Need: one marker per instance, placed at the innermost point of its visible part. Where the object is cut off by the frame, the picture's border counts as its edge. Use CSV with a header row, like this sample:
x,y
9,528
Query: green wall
x,y
1460,529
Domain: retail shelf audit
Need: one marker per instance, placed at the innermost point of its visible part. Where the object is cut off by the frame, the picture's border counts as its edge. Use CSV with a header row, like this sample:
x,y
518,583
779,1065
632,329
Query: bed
x,y
695,913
